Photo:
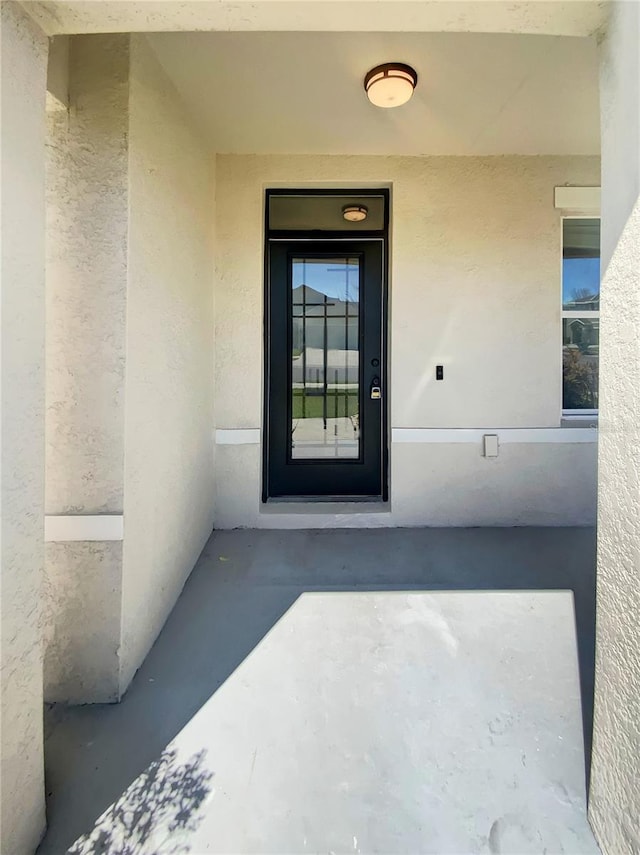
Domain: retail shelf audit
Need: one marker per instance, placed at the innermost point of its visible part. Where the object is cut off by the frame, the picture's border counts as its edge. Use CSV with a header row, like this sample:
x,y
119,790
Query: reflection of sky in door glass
x,y
580,275
335,277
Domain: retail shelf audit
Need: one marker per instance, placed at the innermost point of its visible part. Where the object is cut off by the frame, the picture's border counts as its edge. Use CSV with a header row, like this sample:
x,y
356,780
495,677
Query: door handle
x,y
375,391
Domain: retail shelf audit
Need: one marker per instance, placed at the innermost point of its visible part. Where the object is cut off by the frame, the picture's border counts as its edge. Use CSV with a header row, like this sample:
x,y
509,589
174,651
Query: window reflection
x,y
580,369
325,359
581,265
580,312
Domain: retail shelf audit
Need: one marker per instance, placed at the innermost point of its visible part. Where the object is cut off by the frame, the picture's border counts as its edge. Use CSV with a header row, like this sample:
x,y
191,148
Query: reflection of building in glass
x,y
581,337
587,303
583,333
324,338
580,312
325,363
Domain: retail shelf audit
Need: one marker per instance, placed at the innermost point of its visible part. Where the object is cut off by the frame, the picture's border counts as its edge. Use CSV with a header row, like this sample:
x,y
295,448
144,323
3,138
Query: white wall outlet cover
x,y
490,444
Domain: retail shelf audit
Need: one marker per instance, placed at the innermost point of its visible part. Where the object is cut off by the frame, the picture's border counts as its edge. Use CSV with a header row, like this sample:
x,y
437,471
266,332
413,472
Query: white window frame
x,y
576,203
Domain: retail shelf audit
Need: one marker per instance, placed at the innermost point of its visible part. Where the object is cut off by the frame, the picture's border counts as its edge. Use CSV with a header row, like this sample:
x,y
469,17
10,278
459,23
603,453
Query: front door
x,y
326,376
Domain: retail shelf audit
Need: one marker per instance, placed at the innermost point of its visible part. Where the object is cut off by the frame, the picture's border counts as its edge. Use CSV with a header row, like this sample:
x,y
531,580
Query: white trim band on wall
x,y
240,436
78,527
565,435
505,435
577,198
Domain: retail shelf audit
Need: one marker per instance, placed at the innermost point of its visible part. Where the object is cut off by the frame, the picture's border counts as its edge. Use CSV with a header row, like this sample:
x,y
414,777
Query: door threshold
x,y
315,499
326,505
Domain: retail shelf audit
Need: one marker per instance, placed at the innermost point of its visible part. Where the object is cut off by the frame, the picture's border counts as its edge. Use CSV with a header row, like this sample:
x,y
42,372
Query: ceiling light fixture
x,y
355,213
391,84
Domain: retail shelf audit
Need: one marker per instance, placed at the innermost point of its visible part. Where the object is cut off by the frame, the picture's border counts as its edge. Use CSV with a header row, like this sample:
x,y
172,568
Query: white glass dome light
x,y
391,84
355,213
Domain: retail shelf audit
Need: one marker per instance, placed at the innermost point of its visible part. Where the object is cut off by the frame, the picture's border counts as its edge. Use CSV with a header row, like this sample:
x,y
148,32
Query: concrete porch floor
x,y
243,584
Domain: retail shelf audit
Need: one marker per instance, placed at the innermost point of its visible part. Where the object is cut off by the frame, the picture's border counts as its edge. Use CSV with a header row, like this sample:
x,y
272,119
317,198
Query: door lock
x,y
375,391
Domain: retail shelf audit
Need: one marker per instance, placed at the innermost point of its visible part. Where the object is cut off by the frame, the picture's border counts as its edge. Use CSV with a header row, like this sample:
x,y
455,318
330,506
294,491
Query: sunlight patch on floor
x,y
394,722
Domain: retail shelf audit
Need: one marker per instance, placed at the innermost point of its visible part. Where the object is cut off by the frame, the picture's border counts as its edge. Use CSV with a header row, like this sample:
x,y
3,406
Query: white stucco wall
x,y
615,776
24,64
168,488
87,250
475,286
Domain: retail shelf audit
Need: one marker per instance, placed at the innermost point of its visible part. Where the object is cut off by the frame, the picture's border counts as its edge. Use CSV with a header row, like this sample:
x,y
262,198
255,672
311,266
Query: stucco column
x,y
87,226
615,780
129,330
24,66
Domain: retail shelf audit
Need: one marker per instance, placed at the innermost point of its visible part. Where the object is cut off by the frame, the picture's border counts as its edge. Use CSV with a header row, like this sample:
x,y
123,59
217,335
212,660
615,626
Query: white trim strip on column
x,y
505,435
83,527
239,436
577,198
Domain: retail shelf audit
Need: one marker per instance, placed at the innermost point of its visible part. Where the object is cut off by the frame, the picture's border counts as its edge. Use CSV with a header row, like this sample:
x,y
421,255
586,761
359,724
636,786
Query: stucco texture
x,y
83,597
615,780
24,63
559,18
87,199
474,285
168,488
87,248
130,304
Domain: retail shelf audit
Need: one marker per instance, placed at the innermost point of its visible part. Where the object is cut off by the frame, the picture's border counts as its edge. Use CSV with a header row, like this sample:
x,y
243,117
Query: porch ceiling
x,y
478,94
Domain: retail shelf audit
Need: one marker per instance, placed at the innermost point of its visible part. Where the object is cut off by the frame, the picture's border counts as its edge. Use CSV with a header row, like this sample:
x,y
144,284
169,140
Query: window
x,y
580,314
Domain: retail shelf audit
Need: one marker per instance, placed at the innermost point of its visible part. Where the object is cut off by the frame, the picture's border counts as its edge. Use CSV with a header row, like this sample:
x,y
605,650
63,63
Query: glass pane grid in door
x,y
325,358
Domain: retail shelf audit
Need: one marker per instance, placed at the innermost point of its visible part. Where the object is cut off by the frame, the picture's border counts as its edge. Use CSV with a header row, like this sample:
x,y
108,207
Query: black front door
x,y
326,376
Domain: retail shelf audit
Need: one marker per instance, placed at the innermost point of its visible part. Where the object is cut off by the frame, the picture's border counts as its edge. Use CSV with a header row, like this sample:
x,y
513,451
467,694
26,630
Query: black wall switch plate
x,y
439,372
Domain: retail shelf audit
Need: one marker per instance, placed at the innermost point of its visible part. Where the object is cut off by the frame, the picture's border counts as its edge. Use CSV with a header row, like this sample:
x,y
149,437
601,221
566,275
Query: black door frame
x,y
380,236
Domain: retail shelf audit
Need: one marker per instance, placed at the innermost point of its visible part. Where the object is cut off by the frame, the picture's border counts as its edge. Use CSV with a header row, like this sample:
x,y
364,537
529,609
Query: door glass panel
x,y
325,358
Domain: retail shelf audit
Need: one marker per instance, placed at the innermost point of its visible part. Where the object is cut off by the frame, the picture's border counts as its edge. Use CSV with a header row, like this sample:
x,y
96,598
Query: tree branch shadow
x,y
157,814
